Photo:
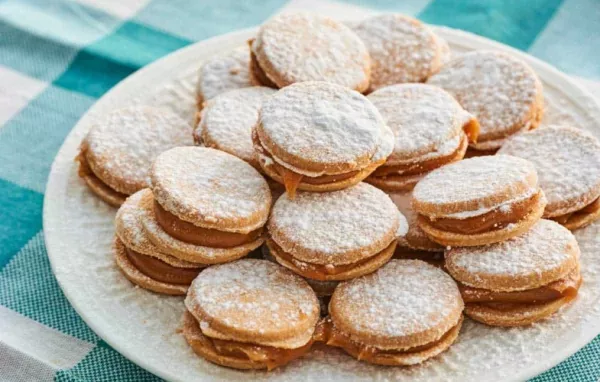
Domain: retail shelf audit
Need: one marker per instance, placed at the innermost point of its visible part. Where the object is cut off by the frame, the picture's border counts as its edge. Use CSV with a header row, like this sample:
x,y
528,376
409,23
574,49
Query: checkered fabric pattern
x,y
57,57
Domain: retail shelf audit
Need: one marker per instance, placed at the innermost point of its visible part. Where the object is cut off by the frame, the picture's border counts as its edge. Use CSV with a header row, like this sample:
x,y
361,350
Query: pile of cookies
x,y
323,195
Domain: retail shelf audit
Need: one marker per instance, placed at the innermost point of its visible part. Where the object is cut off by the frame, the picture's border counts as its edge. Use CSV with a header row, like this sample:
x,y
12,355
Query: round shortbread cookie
x,y
340,227
140,279
120,149
567,162
415,237
317,128
129,229
301,47
228,119
211,189
222,73
254,301
405,303
402,49
546,253
503,92
425,120
474,186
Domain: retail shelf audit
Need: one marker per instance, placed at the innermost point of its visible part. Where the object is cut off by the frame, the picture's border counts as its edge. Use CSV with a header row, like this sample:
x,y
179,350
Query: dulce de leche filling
x,y
591,208
327,332
493,220
318,271
159,270
205,237
272,357
566,287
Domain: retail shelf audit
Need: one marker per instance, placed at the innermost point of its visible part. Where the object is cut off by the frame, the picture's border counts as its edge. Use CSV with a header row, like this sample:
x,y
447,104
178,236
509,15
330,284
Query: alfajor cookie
x,y
415,244
209,207
227,121
301,47
250,314
403,314
430,128
335,235
503,93
521,280
479,200
223,72
402,49
116,154
317,136
568,165
139,259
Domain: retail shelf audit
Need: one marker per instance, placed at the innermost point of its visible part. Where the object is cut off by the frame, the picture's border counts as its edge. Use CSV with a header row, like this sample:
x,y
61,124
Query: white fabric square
x,y
16,90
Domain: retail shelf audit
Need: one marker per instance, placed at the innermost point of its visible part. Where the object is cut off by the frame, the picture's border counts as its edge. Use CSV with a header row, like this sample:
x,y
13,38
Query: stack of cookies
x,y
336,155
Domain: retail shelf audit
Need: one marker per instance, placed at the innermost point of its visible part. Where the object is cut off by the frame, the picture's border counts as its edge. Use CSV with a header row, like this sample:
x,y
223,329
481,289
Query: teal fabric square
x,y
103,64
31,54
30,140
20,218
28,286
103,364
196,20
513,22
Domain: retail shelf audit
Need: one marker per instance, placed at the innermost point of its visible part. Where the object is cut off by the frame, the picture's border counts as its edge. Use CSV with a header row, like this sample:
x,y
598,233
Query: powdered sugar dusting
x,y
497,88
126,142
224,72
545,247
253,295
473,179
227,121
323,123
568,165
402,49
418,297
423,118
326,226
308,47
209,185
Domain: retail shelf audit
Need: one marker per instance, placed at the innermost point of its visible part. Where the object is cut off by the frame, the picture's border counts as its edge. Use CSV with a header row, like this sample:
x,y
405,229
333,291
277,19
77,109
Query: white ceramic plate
x,y
143,326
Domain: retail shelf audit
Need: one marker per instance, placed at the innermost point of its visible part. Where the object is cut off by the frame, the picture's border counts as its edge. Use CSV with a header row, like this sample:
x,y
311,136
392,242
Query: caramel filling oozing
x,y
433,258
327,332
206,237
160,271
566,287
417,168
85,171
591,208
271,356
257,72
318,271
493,220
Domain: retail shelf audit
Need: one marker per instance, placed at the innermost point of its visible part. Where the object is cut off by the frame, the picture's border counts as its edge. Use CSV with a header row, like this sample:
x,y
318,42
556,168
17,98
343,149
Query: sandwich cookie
x,y
479,200
568,164
250,314
222,73
431,130
209,206
335,235
227,122
415,244
301,47
503,92
402,49
521,280
403,314
116,155
317,136
140,260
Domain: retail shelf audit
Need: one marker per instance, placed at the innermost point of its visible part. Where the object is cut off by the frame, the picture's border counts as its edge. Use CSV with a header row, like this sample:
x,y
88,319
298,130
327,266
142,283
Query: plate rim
x,y
454,35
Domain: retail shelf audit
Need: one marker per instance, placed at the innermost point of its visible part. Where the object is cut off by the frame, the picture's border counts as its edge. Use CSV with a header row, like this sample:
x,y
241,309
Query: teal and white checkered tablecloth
x,y
57,57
